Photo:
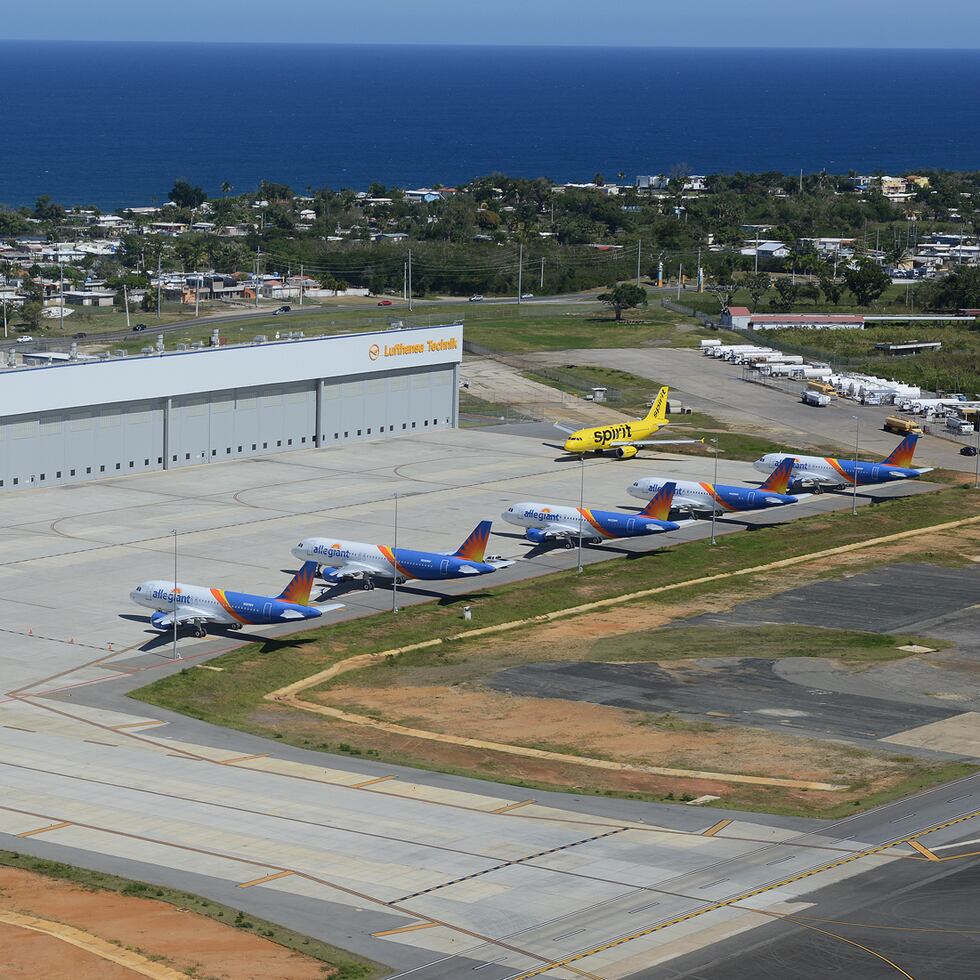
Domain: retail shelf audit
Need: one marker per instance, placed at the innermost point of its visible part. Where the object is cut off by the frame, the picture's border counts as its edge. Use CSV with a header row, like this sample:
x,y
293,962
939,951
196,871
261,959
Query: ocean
x,y
115,124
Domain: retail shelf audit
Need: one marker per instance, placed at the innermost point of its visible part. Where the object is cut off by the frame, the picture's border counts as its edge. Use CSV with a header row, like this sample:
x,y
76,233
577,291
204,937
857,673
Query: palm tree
x,y
225,188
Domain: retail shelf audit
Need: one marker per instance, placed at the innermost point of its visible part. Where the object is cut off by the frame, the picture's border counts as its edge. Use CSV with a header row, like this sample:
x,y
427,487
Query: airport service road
x,y
456,874
716,387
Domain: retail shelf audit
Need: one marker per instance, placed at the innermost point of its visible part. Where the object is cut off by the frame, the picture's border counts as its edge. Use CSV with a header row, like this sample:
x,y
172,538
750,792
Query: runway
x,y
437,876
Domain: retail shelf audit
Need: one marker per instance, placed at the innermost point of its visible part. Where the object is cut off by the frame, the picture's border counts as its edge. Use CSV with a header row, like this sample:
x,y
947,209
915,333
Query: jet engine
x,y
626,452
535,535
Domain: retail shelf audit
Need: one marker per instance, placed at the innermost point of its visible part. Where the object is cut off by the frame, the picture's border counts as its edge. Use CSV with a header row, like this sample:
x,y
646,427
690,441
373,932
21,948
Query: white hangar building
x,y
90,420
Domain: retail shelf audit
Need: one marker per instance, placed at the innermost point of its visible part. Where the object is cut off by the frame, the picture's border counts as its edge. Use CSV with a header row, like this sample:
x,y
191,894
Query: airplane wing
x,y
185,614
656,442
815,480
354,570
565,428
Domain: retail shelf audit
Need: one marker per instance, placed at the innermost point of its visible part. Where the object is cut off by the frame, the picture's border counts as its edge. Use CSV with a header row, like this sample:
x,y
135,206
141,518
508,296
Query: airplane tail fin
x,y
658,410
298,590
660,503
475,546
902,454
778,481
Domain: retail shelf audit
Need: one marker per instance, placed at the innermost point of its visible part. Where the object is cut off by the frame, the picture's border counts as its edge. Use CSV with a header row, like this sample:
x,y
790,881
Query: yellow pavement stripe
x,y
262,881
243,758
44,830
922,849
511,806
714,828
371,782
761,890
412,928
137,724
94,944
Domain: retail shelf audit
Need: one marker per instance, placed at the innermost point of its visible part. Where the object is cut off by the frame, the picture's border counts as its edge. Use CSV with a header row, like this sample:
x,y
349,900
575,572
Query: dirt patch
x,y
183,940
605,732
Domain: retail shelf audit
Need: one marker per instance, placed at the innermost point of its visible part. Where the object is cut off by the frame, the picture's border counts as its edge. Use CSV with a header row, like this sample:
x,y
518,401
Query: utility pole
x,y
197,295
540,286
258,261
175,654
680,278
125,303
61,276
160,286
714,446
520,272
302,283
410,300
639,253
700,276
3,303
581,508
854,491
394,555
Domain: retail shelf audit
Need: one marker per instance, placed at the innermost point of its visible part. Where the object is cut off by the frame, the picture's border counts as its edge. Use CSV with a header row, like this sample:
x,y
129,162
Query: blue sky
x,y
735,23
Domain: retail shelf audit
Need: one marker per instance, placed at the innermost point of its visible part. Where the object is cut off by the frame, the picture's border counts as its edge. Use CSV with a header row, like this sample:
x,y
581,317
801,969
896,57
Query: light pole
x,y
175,655
976,425
854,488
581,507
394,553
714,446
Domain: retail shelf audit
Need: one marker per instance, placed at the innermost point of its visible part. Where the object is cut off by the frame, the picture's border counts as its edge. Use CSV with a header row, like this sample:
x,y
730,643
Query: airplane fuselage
x,y
830,471
220,605
591,524
600,437
718,497
384,562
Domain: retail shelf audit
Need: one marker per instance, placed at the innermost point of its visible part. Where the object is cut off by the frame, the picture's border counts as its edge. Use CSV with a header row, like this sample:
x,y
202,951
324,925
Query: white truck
x,y
816,398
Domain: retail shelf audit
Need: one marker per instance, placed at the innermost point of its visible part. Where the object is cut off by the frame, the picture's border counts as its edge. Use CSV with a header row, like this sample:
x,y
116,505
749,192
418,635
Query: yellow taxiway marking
x,y
371,782
512,806
264,879
922,849
415,927
43,830
714,828
752,893
102,948
137,724
242,758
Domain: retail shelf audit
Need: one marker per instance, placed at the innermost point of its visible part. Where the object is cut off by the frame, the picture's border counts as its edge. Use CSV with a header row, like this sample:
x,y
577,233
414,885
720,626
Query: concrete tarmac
x,y
428,873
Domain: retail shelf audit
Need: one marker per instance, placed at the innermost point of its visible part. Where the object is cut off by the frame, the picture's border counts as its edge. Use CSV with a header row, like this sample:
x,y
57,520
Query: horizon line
x,y
472,44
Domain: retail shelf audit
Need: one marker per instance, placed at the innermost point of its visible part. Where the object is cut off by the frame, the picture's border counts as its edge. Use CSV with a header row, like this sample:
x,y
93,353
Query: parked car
x,y
527,295
282,309
968,451
385,302
137,327
26,339
79,335
476,298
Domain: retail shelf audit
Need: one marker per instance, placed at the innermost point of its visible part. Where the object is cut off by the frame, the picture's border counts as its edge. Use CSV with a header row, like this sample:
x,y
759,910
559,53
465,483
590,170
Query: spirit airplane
x,y
623,439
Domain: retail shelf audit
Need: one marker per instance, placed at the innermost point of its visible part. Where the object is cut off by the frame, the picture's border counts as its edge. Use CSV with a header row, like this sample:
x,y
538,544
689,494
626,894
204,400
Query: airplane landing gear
x,y
595,540
367,585
200,632
569,544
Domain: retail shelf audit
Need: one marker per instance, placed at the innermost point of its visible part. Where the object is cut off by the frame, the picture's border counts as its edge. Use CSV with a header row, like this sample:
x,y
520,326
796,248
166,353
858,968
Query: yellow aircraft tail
x,y
658,410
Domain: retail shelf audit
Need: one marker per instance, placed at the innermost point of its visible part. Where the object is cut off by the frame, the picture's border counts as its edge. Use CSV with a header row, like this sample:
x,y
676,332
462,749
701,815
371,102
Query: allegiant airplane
x,y
827,471
194,605
552,522
343,560
623,439
720,498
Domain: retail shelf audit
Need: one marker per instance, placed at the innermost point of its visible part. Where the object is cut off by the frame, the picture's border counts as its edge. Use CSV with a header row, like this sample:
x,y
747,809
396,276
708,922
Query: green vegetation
x,y
346,965
234,696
